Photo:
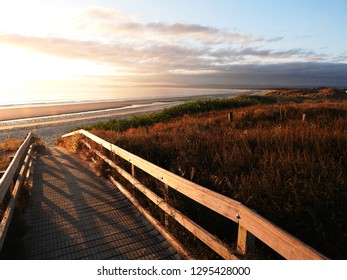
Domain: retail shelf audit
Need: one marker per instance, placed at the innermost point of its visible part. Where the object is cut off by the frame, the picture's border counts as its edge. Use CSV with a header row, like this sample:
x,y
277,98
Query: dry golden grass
x,y
291,172
10,145
7,150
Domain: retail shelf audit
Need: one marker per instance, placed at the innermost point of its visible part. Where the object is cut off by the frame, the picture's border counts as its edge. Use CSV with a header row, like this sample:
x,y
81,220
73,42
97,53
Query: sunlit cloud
x,y
113,24
119,42
105,14
145,55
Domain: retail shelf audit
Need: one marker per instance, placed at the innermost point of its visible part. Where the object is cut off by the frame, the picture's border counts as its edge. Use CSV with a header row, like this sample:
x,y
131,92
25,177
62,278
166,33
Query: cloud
x,y
192,65
169,50
105,14
135,58
275,39
161,57
256,75
165,56
181,28
200,33
114,23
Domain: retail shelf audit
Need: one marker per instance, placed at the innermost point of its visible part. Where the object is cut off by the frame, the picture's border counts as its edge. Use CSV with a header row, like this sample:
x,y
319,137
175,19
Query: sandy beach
x,y
50,129
49,110
50,122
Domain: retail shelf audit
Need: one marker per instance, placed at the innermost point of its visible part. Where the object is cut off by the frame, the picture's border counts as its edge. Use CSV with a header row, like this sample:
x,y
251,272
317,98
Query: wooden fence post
x,y
132,170
230,117
166,198
245,241
303,118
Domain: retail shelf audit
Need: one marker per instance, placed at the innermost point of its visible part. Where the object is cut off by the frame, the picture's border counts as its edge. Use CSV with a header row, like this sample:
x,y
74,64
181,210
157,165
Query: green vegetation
x,y
291,171
181,110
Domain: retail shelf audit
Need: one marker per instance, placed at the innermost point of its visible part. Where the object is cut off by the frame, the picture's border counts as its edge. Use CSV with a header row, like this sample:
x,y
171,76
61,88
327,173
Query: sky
x,y
75,44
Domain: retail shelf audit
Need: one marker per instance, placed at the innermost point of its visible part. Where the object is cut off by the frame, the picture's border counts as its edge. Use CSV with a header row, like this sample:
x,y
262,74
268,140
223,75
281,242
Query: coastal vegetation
x,y
199,106
7,150
285,159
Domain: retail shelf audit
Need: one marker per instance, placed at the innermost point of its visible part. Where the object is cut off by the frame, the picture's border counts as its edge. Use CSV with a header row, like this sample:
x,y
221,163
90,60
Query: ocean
x,y
51,96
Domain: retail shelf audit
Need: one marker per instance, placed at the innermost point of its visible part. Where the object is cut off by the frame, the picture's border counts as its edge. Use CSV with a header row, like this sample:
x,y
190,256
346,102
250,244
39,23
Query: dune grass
x,y
199,106
293,172
7,149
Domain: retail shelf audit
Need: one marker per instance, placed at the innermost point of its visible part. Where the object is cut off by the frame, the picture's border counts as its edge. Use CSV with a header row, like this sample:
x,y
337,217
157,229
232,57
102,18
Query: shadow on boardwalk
x,y
72,214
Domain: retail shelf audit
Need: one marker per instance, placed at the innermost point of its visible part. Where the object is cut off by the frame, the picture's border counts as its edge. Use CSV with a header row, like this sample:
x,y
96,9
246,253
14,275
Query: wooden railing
x,y
12,180
250,224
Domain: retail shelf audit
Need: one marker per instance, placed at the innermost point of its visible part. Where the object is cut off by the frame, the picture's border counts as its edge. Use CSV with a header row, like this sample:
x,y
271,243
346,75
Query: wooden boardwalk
x,y
73,214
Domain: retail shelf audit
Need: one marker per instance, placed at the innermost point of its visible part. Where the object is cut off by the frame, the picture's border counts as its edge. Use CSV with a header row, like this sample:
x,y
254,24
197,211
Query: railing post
x,y
132,170
303,118
166,198
245,241
230,117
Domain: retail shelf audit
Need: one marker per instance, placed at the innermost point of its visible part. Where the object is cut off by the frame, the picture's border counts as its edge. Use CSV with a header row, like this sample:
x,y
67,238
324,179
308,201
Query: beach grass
x,y
199,106
7,150
289,168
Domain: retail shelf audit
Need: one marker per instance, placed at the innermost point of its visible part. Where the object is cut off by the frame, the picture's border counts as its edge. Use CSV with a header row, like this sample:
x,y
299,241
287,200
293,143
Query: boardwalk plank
x,y
73,214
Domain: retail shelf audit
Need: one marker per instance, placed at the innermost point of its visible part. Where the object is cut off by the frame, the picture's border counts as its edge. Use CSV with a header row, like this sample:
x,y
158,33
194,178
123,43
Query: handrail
x,y
17,168
249,221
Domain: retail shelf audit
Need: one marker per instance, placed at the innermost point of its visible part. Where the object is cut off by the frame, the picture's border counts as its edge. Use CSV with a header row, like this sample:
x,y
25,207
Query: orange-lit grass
x,y
290,171
10,145
7,149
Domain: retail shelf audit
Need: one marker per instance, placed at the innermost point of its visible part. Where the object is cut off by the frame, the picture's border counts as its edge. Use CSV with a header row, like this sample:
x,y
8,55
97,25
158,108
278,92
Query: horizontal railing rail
x,y
12,180
250,224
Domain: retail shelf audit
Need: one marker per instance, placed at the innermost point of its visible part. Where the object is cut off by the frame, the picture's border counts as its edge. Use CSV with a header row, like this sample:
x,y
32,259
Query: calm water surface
x,y
55,96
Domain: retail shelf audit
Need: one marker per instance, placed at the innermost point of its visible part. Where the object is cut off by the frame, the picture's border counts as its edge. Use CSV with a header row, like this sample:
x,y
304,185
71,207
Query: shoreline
x,y
22,113
82,116
51,127
49,130
12,114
